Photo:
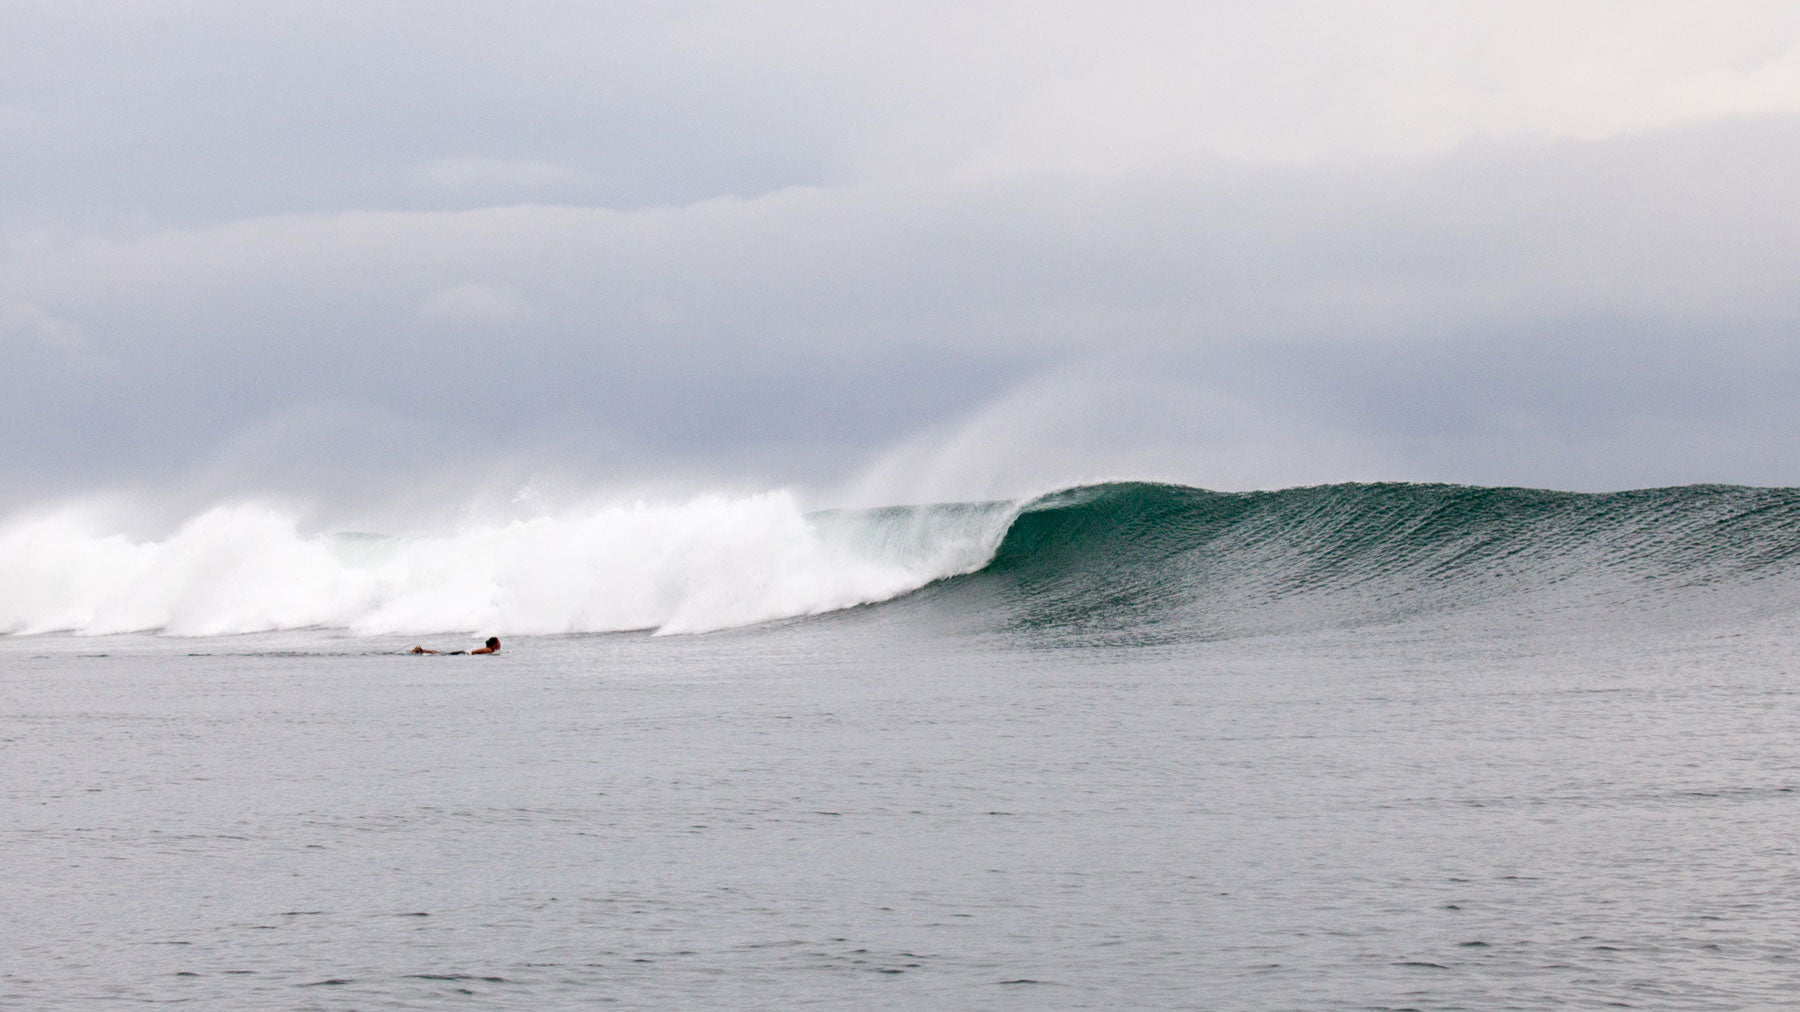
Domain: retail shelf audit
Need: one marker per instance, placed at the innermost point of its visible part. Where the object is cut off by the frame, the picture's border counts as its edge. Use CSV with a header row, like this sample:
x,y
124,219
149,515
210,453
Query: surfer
x,y
492,646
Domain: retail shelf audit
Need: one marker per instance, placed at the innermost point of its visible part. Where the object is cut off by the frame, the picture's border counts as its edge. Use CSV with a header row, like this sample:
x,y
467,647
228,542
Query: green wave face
x,y
1143,563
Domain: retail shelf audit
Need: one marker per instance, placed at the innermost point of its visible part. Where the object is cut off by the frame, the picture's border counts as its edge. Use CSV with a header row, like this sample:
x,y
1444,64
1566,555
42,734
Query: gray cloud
x,y
565,241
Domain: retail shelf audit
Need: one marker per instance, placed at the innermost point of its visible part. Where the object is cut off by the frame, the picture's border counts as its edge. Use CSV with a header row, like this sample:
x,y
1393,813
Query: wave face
x,y
1140,563
1108,564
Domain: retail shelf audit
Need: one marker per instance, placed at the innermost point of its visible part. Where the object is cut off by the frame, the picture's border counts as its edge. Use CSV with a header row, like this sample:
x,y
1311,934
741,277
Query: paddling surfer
x,y
492,646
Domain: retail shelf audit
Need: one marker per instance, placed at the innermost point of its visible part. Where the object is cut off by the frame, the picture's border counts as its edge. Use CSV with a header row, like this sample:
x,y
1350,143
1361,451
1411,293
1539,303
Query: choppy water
x,y
1545,757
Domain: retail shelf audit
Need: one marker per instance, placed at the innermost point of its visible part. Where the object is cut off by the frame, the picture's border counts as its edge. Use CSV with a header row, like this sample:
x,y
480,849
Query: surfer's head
x,y
493,643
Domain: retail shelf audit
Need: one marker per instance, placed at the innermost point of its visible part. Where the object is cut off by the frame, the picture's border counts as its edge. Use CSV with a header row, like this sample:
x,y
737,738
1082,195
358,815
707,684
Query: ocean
x,y
1128,745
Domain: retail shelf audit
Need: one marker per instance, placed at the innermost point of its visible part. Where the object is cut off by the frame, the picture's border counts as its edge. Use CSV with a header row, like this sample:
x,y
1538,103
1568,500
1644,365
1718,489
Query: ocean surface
x,y
1121,746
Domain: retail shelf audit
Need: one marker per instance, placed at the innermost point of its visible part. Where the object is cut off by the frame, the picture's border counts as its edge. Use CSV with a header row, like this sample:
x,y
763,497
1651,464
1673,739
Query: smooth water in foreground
x,y
1353,747
848,814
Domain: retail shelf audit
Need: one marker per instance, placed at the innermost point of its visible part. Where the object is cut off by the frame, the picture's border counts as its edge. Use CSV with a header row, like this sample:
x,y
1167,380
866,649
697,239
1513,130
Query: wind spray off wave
x,y
712,563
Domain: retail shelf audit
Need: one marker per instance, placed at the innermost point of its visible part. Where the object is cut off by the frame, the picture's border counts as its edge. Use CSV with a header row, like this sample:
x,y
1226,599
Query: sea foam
x,y
712,563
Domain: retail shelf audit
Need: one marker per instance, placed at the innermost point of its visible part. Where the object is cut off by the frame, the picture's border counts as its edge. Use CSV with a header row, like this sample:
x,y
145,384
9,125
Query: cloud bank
x,y
920,251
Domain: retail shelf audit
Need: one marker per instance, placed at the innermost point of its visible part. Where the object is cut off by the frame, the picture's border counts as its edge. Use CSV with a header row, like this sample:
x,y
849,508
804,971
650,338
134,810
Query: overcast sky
x,y
896,251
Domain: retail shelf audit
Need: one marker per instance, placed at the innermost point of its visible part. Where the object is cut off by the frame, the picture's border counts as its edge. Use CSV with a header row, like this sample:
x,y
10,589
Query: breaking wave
x,y
1113,563
709,564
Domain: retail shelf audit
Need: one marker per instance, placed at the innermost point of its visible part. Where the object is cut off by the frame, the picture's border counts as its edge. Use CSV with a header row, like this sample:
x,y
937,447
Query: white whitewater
x,y
711,563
